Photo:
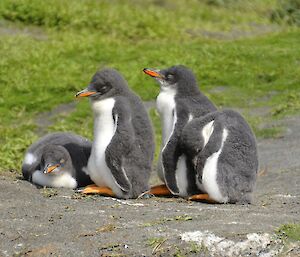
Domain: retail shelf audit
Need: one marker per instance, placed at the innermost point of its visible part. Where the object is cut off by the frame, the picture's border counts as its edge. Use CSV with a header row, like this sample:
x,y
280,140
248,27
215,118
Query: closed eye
x,y
105,89
169,76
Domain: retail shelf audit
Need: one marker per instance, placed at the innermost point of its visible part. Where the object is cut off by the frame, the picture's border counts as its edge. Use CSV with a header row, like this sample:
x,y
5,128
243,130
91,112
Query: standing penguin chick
x,y
123,146
223,150
178,102
207,150
57,160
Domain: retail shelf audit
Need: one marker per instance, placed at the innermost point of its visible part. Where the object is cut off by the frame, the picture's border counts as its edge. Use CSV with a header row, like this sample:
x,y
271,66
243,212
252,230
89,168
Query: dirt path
x,y
59,222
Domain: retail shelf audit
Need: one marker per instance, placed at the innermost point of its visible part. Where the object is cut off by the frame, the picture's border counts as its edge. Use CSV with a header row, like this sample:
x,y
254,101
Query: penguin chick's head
x,y
179,78
55,159
104,84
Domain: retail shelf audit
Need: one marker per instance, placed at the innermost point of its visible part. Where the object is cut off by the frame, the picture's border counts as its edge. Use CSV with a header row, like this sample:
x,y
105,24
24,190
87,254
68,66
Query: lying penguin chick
x,y
57,160
223,150
56,168
178,102
123,147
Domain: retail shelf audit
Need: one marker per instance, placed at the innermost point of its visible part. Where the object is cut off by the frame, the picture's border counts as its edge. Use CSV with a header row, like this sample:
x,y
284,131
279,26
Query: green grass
x,y
131,21
289,231
65,42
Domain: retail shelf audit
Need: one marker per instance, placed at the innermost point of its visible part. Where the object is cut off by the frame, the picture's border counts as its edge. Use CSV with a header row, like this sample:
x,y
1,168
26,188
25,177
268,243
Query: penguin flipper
x,y
172,152
170,157
200,138
114,162
192,138
120,145
213,145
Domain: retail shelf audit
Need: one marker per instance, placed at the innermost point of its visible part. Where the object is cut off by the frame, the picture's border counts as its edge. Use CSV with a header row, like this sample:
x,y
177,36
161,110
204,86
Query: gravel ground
x,y
60,222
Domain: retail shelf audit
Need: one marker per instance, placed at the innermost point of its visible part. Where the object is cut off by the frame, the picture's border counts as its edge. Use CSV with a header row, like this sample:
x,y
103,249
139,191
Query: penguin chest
x,y
105,125
167,109
165,104
62,180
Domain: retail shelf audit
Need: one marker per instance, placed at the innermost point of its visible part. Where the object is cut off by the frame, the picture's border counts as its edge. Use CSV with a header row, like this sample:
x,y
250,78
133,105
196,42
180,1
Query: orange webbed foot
x,y
94,189
201,198
160,190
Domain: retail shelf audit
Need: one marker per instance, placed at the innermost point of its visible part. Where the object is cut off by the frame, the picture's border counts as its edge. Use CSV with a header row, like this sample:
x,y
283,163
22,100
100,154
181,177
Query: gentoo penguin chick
x,y
178,102
57,160
123,146
217,150
223,151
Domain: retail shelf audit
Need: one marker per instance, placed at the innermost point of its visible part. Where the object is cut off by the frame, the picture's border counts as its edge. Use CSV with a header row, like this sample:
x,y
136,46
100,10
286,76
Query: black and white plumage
x,y
223,151
192,125
123,145
178,102
57,160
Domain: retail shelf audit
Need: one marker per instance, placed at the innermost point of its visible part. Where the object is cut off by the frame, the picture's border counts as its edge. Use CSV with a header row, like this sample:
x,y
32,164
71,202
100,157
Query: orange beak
x,y
153,73
51,168
84,93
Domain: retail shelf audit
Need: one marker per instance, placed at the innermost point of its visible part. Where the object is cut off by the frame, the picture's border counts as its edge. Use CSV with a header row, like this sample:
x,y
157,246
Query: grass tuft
x,y
289,231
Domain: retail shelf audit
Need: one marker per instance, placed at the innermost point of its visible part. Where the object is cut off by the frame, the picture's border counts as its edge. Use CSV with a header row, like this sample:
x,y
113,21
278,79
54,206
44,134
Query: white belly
x,y
104,130
181,176
58,180
209,175
165,103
